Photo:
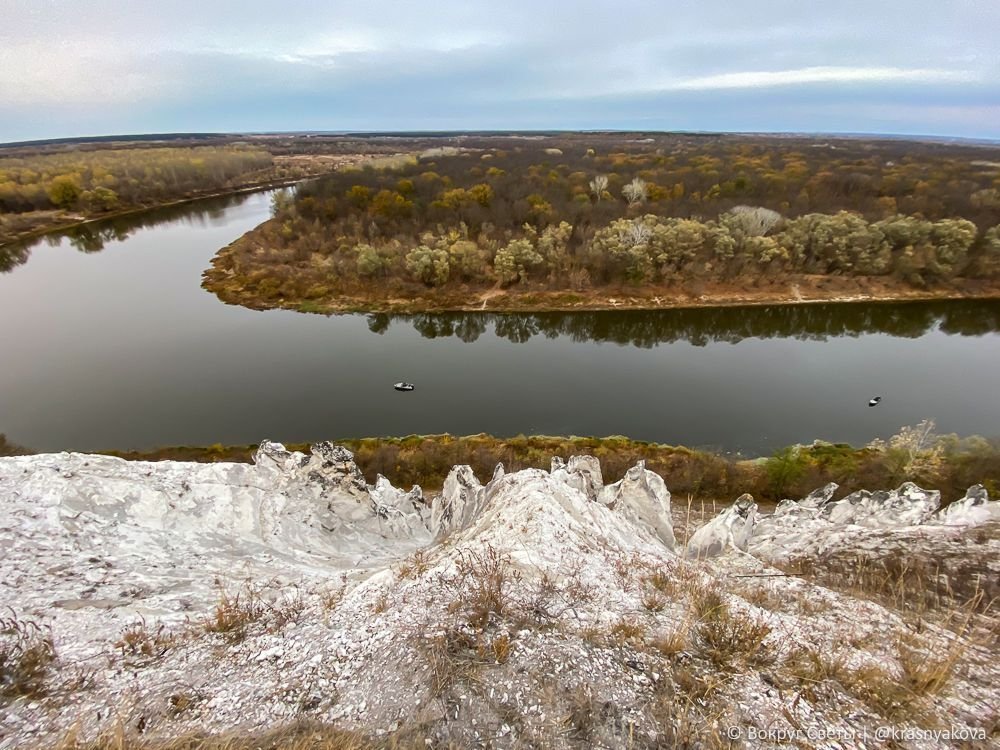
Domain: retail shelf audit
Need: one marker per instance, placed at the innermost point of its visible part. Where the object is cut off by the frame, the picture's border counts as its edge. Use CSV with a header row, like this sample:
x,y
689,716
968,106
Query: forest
x,y
49,185
580,212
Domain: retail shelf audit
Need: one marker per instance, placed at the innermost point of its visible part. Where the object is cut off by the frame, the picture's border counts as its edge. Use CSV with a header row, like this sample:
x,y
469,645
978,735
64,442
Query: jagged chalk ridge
x,y
817,523
371,589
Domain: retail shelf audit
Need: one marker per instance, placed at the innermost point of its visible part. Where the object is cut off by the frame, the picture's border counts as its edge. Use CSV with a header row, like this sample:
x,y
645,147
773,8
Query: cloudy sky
x,y
91,67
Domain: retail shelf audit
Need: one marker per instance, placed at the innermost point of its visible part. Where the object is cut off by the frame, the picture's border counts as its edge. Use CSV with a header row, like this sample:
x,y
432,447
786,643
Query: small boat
x,y
404,386
874,401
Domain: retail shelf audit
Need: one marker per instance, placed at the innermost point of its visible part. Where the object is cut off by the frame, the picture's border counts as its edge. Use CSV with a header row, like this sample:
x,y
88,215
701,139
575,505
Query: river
x,y
108,341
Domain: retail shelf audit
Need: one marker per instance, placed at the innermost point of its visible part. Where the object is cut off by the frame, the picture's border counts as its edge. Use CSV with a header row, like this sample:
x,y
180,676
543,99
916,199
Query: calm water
x,y
121,348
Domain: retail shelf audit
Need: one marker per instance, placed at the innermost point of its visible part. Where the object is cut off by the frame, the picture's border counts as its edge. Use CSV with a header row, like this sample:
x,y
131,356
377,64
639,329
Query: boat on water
x,y
404,386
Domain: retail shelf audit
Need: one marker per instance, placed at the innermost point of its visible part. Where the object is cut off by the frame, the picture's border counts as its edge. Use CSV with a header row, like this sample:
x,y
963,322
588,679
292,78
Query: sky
x,y
97,67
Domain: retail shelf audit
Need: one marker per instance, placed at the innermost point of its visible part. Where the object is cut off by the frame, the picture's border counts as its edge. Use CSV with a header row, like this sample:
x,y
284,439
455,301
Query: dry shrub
x,y
488,576
501,648
415,566
626,632
728,638
235,612
138,642
26,654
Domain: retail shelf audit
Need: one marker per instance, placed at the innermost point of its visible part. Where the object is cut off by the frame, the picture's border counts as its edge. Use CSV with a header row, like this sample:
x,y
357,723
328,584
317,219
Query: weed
x,y
415,566
137,641
26,654
626,632
728,638
235,612
489,575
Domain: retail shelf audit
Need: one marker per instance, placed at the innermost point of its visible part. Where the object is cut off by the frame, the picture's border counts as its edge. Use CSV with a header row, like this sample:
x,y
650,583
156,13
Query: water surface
x,y
108,341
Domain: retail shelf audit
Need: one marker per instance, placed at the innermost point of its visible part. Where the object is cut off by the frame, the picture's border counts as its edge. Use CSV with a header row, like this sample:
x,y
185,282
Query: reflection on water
x,y
93,236
647,329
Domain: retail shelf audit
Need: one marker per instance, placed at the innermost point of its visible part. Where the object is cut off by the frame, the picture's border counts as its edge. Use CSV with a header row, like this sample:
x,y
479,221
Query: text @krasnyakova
x,y
815,734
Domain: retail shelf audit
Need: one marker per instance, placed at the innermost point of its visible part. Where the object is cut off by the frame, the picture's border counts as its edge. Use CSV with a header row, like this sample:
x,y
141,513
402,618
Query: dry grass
x,y
414,566
501,647
235,612
627,632
489,577
26,656
138,642
663,582
653,601
453,657
298,736
869,682
909,584
729,639
674,642
582,715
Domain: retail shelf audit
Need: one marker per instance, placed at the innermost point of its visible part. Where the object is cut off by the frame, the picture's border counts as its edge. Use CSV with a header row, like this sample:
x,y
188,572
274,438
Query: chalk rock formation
x,y
908,505
643,498
582,472
459,503
972,510
731,529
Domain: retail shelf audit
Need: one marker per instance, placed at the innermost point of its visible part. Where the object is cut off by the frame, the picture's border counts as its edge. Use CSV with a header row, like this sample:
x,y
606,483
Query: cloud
x,y
822,74
141,65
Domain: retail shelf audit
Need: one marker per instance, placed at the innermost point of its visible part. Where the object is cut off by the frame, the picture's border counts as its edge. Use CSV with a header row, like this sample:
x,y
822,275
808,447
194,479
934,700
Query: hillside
x,y
544,608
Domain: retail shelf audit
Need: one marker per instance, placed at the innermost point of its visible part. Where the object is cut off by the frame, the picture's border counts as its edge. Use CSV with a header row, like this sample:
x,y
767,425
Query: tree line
x,y
107,179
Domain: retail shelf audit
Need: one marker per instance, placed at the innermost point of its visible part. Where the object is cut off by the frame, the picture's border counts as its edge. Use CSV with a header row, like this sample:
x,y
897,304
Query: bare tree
x,y
754,220
635,191
598,185
635,233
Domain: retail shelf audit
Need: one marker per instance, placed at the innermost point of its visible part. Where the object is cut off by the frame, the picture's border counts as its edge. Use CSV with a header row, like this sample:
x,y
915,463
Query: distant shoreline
x,y
62,226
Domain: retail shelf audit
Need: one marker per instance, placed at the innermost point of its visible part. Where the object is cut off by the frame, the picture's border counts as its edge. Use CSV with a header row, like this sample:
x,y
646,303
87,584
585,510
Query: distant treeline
x,y
107,179
558,213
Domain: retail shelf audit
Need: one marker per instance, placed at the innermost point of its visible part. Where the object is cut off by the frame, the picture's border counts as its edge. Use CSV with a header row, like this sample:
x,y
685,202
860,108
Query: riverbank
x,y
47,222
393,296
951,465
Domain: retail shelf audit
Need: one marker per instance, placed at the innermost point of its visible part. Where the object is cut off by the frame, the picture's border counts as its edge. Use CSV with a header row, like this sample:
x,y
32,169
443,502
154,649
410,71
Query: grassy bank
x,y
947,463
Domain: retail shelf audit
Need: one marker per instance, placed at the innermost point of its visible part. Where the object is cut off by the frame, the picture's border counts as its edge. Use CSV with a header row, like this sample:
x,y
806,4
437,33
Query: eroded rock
x,y
730,530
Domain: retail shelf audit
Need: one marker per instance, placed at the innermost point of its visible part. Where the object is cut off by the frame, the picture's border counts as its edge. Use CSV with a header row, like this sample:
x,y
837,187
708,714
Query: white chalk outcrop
x,y
369,578
730,530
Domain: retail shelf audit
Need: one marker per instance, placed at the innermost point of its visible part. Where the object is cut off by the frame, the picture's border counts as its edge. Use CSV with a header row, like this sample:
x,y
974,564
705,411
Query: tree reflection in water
x,y
700,327
93,236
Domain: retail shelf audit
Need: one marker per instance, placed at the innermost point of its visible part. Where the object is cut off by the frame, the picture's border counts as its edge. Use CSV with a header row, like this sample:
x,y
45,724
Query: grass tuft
x,y
26,656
